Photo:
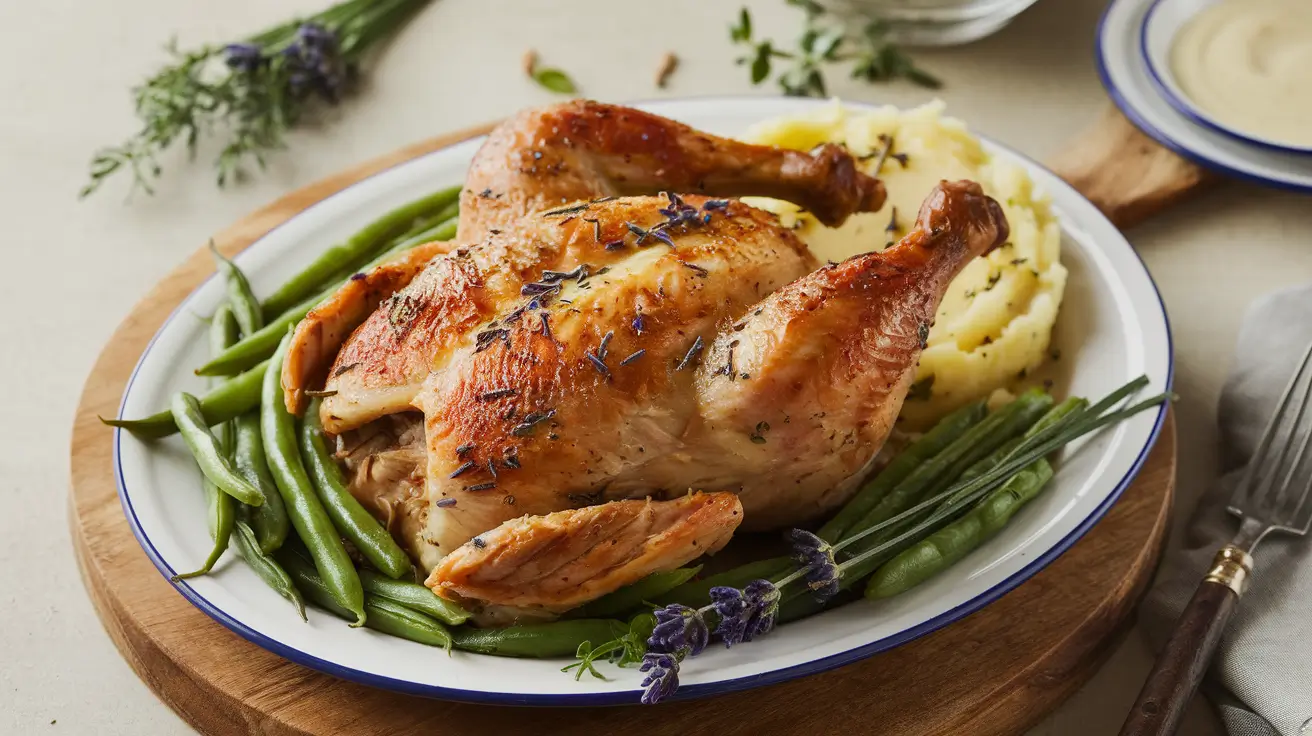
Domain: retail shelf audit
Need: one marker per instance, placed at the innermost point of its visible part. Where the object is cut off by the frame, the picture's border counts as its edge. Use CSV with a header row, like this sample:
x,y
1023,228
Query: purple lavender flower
x,y
662,677
745,614
679,212
313,64
763,600
817,558
680,631
246,58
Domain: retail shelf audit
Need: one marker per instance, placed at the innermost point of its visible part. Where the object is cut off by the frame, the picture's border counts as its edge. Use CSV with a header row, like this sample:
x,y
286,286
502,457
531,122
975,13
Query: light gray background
x,y
74,270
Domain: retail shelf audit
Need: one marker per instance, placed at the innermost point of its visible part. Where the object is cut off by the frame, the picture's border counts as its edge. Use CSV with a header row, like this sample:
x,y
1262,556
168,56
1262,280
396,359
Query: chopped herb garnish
x,y
922,389
478,541
994,278
484,339
546,326
344,369
482,486
633,356
321,394
598,363
536,288
697,269
614,245
511,461
492,467
891,227
758,435
639,323
445,503
923,334
605,344
465,448
469,464
691,355
1019,261
533,419
497,393
508,500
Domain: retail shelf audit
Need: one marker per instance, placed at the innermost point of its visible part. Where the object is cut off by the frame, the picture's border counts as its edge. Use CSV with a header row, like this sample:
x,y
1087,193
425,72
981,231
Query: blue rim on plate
x,y
1182,104
1152,131
631,697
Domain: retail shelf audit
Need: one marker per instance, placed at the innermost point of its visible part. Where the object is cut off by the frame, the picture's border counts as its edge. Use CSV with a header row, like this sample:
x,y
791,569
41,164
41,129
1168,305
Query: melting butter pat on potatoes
x,y
996,320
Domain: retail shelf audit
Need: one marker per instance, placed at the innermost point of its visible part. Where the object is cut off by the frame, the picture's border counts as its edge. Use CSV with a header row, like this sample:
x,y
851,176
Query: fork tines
x,y
1276,485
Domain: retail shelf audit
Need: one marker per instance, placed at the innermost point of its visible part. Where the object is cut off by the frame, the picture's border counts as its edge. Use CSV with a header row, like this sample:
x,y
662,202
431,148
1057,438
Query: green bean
x,y
245,307
358,247
415,596
697,593
384,615
308,517
269,521
1068,408
932,443
554,639
948,545
634,595
221,510
390,617
264,566
209,452
940,470
260,345
350,518
228,400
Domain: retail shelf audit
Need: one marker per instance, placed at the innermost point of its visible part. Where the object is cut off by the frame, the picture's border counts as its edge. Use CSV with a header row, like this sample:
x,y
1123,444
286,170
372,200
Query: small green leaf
x,y
919,76
743,31
555,80
761,64
826,45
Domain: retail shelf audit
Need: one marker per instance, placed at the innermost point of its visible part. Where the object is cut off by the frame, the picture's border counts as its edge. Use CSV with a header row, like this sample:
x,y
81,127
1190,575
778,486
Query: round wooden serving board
x,y
997,671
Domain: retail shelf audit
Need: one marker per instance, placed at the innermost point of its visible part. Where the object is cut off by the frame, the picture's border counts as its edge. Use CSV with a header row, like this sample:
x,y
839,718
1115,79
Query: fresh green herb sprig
x,y
254,90
872,56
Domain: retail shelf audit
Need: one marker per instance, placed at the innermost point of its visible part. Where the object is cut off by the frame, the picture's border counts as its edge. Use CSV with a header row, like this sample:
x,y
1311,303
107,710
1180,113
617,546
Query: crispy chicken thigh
x,y
586,342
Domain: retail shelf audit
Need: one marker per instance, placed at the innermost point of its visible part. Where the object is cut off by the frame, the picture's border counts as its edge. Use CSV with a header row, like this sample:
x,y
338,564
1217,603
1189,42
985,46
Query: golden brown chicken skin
x,y
588,341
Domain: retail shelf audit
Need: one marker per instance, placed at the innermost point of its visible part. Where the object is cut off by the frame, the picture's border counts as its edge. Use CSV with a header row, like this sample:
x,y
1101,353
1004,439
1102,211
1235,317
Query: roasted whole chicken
x,y
615,365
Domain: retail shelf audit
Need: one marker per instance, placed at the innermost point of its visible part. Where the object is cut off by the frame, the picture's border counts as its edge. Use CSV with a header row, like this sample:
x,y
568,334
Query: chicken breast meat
x,y
531,410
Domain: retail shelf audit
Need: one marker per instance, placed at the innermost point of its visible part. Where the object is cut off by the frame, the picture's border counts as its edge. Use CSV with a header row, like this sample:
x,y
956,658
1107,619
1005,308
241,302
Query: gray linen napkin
x,y
1261,679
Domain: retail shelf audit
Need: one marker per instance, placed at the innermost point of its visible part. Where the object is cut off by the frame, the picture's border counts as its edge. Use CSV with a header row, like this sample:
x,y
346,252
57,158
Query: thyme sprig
x,y
252,91
873,57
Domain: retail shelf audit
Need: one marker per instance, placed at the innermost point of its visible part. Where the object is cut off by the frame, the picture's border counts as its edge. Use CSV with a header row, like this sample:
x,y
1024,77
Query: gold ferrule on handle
x,y
1231,568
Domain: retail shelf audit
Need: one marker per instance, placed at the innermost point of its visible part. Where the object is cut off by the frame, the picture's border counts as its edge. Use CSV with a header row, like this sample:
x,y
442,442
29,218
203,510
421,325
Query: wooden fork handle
x,y
1180,666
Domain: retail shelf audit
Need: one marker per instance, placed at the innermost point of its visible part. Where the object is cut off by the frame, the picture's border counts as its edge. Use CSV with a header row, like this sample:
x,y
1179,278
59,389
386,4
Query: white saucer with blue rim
x,y
1125,72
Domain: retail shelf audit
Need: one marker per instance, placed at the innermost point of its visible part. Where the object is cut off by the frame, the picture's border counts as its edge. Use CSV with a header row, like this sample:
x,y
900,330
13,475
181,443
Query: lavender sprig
x,y
253,91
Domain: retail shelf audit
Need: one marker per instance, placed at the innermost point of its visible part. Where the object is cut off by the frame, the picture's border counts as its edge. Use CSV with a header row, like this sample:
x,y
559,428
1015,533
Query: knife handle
x,y
1183,661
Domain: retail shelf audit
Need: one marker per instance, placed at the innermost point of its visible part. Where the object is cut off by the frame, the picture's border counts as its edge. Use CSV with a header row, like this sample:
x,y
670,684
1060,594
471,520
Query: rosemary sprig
x,y
252,91
872,56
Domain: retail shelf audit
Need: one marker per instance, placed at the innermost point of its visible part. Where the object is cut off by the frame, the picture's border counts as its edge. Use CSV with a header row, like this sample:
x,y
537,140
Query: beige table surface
x,y
75,269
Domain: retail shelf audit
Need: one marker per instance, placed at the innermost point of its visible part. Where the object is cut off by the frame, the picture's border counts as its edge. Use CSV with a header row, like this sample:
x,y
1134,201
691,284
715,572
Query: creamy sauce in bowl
x,y
1247,64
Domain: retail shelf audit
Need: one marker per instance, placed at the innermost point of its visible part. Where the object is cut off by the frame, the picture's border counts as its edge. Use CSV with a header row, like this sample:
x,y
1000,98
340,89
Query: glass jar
x,y
932,22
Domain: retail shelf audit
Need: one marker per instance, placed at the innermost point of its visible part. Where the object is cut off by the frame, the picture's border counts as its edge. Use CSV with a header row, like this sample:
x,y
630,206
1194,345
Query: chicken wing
x,y
549,564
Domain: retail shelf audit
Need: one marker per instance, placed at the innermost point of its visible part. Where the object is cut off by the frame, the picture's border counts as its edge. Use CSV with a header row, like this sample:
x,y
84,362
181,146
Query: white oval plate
x,y
1163,21
1125,74
1113,328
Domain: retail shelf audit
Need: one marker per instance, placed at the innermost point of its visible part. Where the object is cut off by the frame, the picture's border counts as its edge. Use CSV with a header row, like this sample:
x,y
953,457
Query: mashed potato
x,y
995,322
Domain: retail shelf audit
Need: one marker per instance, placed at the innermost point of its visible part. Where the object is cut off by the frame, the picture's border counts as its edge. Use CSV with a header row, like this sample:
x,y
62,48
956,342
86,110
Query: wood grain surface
x,y
998,671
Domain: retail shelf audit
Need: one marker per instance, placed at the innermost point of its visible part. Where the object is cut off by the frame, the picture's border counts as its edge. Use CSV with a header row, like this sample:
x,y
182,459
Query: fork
x,y
1272,496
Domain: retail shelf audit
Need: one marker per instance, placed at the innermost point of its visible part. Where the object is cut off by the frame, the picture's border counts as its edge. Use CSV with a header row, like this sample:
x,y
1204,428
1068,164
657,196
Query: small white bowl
x,y
1163,22
1124,73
